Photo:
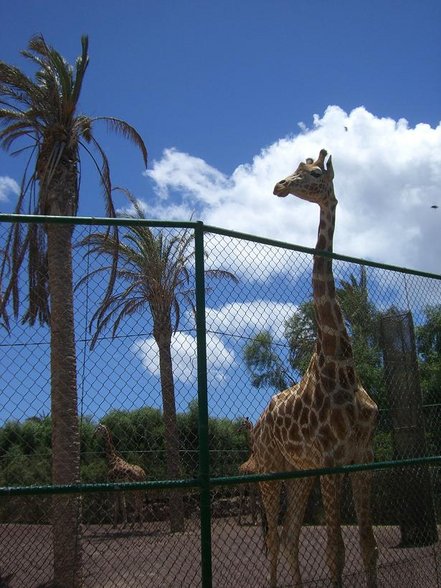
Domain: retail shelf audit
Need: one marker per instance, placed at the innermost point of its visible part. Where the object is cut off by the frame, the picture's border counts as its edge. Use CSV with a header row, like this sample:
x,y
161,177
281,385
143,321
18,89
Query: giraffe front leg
x,y
138,502
115,509
241,503
141,508
123,507
297,492
335,549
361,490
270,494
253,503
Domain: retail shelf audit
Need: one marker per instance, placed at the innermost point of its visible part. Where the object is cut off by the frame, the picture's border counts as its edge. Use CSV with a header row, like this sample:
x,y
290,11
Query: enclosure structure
x,y
241,329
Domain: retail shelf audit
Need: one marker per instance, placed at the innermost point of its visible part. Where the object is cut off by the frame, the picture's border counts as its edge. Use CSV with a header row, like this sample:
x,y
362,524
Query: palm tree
x,y
154,271
43,111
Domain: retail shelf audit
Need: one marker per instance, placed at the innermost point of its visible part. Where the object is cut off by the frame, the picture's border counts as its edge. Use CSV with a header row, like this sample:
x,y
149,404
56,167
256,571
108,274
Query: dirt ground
x,y
151,557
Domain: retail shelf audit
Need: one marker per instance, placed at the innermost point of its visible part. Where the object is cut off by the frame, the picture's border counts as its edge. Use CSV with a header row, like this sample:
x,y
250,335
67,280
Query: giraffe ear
x,y
330,168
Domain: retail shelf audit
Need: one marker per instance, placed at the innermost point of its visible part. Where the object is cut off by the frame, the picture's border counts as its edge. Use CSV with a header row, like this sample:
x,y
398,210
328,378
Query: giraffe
x,y
120,470
246,468
325,420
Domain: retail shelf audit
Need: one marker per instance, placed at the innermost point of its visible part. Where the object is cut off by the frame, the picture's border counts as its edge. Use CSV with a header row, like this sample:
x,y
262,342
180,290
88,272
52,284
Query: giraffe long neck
x,y
332,337
111,454
250,439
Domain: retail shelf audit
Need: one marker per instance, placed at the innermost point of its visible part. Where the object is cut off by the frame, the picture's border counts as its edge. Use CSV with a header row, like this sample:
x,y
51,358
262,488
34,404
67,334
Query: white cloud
x,y
8,186
190,175
184,356
387,177
251,261
226,327
245,319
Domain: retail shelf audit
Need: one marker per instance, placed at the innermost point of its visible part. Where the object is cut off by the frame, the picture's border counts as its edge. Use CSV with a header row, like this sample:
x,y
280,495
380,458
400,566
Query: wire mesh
x,y
138,416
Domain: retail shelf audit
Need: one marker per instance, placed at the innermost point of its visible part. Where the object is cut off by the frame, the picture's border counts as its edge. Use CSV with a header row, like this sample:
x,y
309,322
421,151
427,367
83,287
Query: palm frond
x,y
15,80
127,131
82,127
104,173
38,277
139,212
90,275
37,47
14,132
80,68
119,305
11,115
222,274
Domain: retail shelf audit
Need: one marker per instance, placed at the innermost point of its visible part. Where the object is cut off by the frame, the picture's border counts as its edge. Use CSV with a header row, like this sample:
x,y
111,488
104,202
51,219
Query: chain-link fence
x,y
182,334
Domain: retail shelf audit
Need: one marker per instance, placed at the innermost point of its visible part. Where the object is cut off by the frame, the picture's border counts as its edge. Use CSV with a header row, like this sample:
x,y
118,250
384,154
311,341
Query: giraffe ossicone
x,y
325,420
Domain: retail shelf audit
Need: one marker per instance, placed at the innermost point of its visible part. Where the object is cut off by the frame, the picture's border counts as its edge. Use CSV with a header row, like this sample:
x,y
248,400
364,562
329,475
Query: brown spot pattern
x,y
321,242
329,343
319,288
313,421
323,412
319,396
338,423
297,409
327,315
294,433
329,370
304,416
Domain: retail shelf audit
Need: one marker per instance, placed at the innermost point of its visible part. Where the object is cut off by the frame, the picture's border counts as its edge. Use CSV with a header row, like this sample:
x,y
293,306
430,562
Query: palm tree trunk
x,y
176,502
65,426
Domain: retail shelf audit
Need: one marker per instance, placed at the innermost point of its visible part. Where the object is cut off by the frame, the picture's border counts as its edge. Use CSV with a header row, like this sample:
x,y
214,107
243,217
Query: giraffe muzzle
x,y
281,189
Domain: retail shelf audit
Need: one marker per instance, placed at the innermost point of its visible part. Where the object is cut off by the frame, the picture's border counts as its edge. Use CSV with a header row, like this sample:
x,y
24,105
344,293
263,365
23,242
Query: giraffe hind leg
x,y
254,498
335,549
361,489
270,493
297,494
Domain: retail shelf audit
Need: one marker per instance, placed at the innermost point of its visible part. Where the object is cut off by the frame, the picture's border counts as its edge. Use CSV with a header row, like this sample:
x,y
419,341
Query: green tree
x,y
154,272
43,111
300,333
264,363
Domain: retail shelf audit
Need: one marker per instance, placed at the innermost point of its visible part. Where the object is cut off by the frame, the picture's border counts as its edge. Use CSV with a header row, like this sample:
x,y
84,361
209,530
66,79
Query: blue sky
x,y
223,80
230,96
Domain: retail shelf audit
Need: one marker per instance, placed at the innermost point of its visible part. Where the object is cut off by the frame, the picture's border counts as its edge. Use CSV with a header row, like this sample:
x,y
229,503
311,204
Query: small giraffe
x,y
120,470
246,468
325,420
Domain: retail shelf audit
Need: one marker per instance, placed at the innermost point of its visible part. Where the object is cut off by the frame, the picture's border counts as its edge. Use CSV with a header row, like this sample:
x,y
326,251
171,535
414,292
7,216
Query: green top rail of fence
x,y
122,221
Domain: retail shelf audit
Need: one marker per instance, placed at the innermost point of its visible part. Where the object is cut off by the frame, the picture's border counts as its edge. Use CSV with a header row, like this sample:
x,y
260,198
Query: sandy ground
x,y
151,557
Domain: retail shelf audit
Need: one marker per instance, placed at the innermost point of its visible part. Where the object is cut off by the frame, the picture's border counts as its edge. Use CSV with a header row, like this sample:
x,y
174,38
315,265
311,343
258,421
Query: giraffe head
x,y
311,181
245,425
101,431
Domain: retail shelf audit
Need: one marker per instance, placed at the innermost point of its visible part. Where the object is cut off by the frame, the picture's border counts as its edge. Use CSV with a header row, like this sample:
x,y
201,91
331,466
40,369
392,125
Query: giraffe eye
x,y
316,172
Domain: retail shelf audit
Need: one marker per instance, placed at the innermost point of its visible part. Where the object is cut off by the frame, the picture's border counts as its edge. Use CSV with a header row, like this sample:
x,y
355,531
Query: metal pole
x,y
204,455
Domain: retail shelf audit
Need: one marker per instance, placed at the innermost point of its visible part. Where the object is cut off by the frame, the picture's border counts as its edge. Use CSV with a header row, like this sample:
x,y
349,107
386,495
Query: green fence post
x,y
204,455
